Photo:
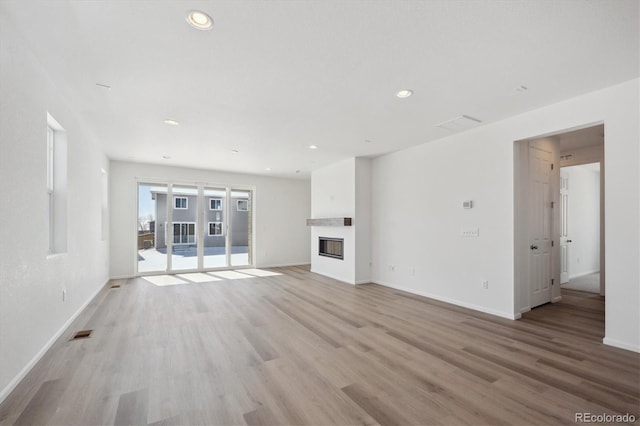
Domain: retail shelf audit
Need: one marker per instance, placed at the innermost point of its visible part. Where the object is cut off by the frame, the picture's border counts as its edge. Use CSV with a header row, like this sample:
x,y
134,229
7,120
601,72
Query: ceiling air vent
x,y
463,122
82,334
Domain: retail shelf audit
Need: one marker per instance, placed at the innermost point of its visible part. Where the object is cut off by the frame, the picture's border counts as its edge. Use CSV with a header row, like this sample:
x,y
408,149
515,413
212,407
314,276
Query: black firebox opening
x,y
331,247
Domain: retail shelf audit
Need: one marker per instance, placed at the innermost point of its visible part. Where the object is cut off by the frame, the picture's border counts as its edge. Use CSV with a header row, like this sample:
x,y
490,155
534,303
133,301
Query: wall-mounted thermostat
x,y
467,204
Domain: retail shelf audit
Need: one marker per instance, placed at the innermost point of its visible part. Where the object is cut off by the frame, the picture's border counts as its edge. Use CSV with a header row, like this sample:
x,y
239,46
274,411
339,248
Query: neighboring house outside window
x,y
215,204
243,205
180,203
215,228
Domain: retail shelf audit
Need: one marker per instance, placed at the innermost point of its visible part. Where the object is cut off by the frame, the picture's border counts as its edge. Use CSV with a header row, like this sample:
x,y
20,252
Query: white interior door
x,y
564,227
540,225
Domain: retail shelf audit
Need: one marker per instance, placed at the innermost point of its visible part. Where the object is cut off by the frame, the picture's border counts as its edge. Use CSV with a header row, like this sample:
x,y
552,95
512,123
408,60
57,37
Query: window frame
x,y
186,202
50,186
182,243
238,205
56,187
221,234
219,200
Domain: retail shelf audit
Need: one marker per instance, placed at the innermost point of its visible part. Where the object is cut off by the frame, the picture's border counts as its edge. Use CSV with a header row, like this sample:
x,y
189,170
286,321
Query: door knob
x,y
533,247
569,241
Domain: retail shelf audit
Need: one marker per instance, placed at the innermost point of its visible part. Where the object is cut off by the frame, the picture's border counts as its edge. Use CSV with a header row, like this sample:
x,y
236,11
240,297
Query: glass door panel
x,y
184,207
214,233
152,219
240,227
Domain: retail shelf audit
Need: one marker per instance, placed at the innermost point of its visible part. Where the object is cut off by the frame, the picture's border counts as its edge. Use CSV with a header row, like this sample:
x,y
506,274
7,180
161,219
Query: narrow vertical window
x,y
50,166
56,185
104,209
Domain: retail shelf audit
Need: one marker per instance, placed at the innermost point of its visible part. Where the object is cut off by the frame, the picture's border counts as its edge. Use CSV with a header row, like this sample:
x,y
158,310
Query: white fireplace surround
x,y
343,190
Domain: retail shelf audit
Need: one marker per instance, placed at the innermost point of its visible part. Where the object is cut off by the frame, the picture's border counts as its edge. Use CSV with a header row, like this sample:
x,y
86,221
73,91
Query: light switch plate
x,y
471,232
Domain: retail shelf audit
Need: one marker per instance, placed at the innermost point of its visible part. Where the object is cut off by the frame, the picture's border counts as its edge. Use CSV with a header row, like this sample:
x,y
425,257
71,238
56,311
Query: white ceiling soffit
x,y
272,78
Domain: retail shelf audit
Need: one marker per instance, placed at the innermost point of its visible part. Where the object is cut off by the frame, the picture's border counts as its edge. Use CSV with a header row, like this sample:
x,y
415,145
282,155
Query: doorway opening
x,y
543,243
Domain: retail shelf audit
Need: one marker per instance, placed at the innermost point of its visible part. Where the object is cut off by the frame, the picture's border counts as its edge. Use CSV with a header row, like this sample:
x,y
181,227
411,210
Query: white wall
x,y
417,197
32,312
362,220
417,213
281,207
583,220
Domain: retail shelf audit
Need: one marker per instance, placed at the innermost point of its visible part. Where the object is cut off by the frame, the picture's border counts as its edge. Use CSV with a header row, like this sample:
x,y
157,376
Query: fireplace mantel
x,y
333,221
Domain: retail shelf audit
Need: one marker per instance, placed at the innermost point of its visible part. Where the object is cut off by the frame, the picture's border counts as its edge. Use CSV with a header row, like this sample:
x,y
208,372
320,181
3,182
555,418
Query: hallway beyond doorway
x,y
589,283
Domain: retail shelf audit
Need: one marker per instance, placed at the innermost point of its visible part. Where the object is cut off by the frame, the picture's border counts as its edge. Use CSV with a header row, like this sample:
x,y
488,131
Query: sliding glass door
x,y
193,227
183,211
152,210
214,233
241,218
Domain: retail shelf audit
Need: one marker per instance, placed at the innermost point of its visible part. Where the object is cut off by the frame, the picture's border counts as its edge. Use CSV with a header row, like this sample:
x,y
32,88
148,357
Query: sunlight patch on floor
x,y
259,272
198,277
230,275
165,280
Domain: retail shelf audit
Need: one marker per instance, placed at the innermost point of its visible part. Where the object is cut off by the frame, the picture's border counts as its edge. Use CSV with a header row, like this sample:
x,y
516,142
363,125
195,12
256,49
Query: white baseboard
x,y
121,277
283,265
511,316
621,345
334,277
582,274
27,368
342,280
556,299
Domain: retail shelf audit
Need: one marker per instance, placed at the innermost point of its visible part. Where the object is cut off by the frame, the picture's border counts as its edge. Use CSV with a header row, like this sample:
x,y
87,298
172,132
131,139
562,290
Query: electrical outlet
x,y
471,232
485,285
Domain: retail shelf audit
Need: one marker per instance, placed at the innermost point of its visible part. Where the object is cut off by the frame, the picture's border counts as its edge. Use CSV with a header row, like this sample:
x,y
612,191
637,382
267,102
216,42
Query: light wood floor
x,y
298,348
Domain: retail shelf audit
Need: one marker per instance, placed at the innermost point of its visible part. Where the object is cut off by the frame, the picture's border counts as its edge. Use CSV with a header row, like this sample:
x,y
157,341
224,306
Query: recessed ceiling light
x,y
268,169
166,157
199,20
367,141
297,171
313,147
234,151
404,93
171,122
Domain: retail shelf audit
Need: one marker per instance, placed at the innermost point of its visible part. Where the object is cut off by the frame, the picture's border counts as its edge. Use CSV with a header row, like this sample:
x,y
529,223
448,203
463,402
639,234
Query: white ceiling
x,y
274,77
